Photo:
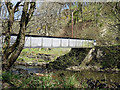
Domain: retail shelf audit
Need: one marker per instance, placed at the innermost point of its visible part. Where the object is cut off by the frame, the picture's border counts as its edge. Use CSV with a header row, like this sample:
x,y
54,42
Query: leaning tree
x,y
11,52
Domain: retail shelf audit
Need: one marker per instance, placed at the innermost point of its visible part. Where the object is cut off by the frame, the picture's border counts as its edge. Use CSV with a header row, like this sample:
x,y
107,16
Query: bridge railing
x,y
49,42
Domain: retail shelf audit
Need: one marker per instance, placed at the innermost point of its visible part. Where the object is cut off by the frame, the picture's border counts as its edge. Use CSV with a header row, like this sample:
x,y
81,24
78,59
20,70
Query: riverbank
x,y
62,79
29,74
99,57
38,57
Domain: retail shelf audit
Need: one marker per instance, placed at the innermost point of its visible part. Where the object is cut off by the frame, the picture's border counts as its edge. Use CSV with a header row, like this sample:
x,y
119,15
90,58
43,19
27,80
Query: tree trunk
x,y
17,51
11,53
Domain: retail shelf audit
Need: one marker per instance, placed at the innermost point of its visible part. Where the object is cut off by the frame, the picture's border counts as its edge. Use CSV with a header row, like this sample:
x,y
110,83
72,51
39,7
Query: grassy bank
x,y
33,53
62,79
108,57
49,81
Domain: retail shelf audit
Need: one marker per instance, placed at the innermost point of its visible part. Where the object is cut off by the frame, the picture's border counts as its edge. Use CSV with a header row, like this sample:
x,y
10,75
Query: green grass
x,y
70,82
26,59
10,78
20,81
53,51
54,80
84,85
56,52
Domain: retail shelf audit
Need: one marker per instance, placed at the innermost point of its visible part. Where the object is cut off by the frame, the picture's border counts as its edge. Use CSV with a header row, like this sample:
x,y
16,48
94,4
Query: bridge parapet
x,y
55,42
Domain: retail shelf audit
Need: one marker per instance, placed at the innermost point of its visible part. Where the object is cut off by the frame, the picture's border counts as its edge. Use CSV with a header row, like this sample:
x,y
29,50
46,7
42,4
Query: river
x,y
108,77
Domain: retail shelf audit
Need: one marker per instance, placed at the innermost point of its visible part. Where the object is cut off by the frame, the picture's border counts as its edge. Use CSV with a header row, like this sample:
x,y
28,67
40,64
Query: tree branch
x,y
22,25
10,23
12,53
31,11
17,5
114,11
9,6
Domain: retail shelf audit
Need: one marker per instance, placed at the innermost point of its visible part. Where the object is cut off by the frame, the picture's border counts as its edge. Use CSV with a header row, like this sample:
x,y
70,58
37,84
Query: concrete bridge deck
x,y
54,42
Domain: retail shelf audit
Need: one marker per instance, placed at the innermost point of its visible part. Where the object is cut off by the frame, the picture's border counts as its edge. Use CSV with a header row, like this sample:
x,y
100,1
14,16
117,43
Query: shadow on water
x,y
29,69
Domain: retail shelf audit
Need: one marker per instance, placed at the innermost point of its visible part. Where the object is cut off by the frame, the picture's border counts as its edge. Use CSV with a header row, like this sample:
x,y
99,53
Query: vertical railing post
x,y
42,43
51,42
68,43
30,41
60,43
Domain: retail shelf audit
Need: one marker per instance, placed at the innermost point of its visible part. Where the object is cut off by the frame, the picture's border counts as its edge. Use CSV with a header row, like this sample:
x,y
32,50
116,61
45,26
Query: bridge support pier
x,y
88,58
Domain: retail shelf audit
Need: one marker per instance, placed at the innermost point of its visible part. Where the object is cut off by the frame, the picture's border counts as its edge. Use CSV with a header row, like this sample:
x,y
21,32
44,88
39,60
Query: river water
x,y
109,77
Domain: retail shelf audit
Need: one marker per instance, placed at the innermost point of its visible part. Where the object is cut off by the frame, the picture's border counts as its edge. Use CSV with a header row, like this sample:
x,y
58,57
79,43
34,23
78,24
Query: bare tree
x,y
11,53
47,19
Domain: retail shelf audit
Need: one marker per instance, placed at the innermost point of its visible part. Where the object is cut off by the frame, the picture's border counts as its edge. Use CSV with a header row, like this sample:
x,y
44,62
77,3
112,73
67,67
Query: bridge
x,y
35,41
